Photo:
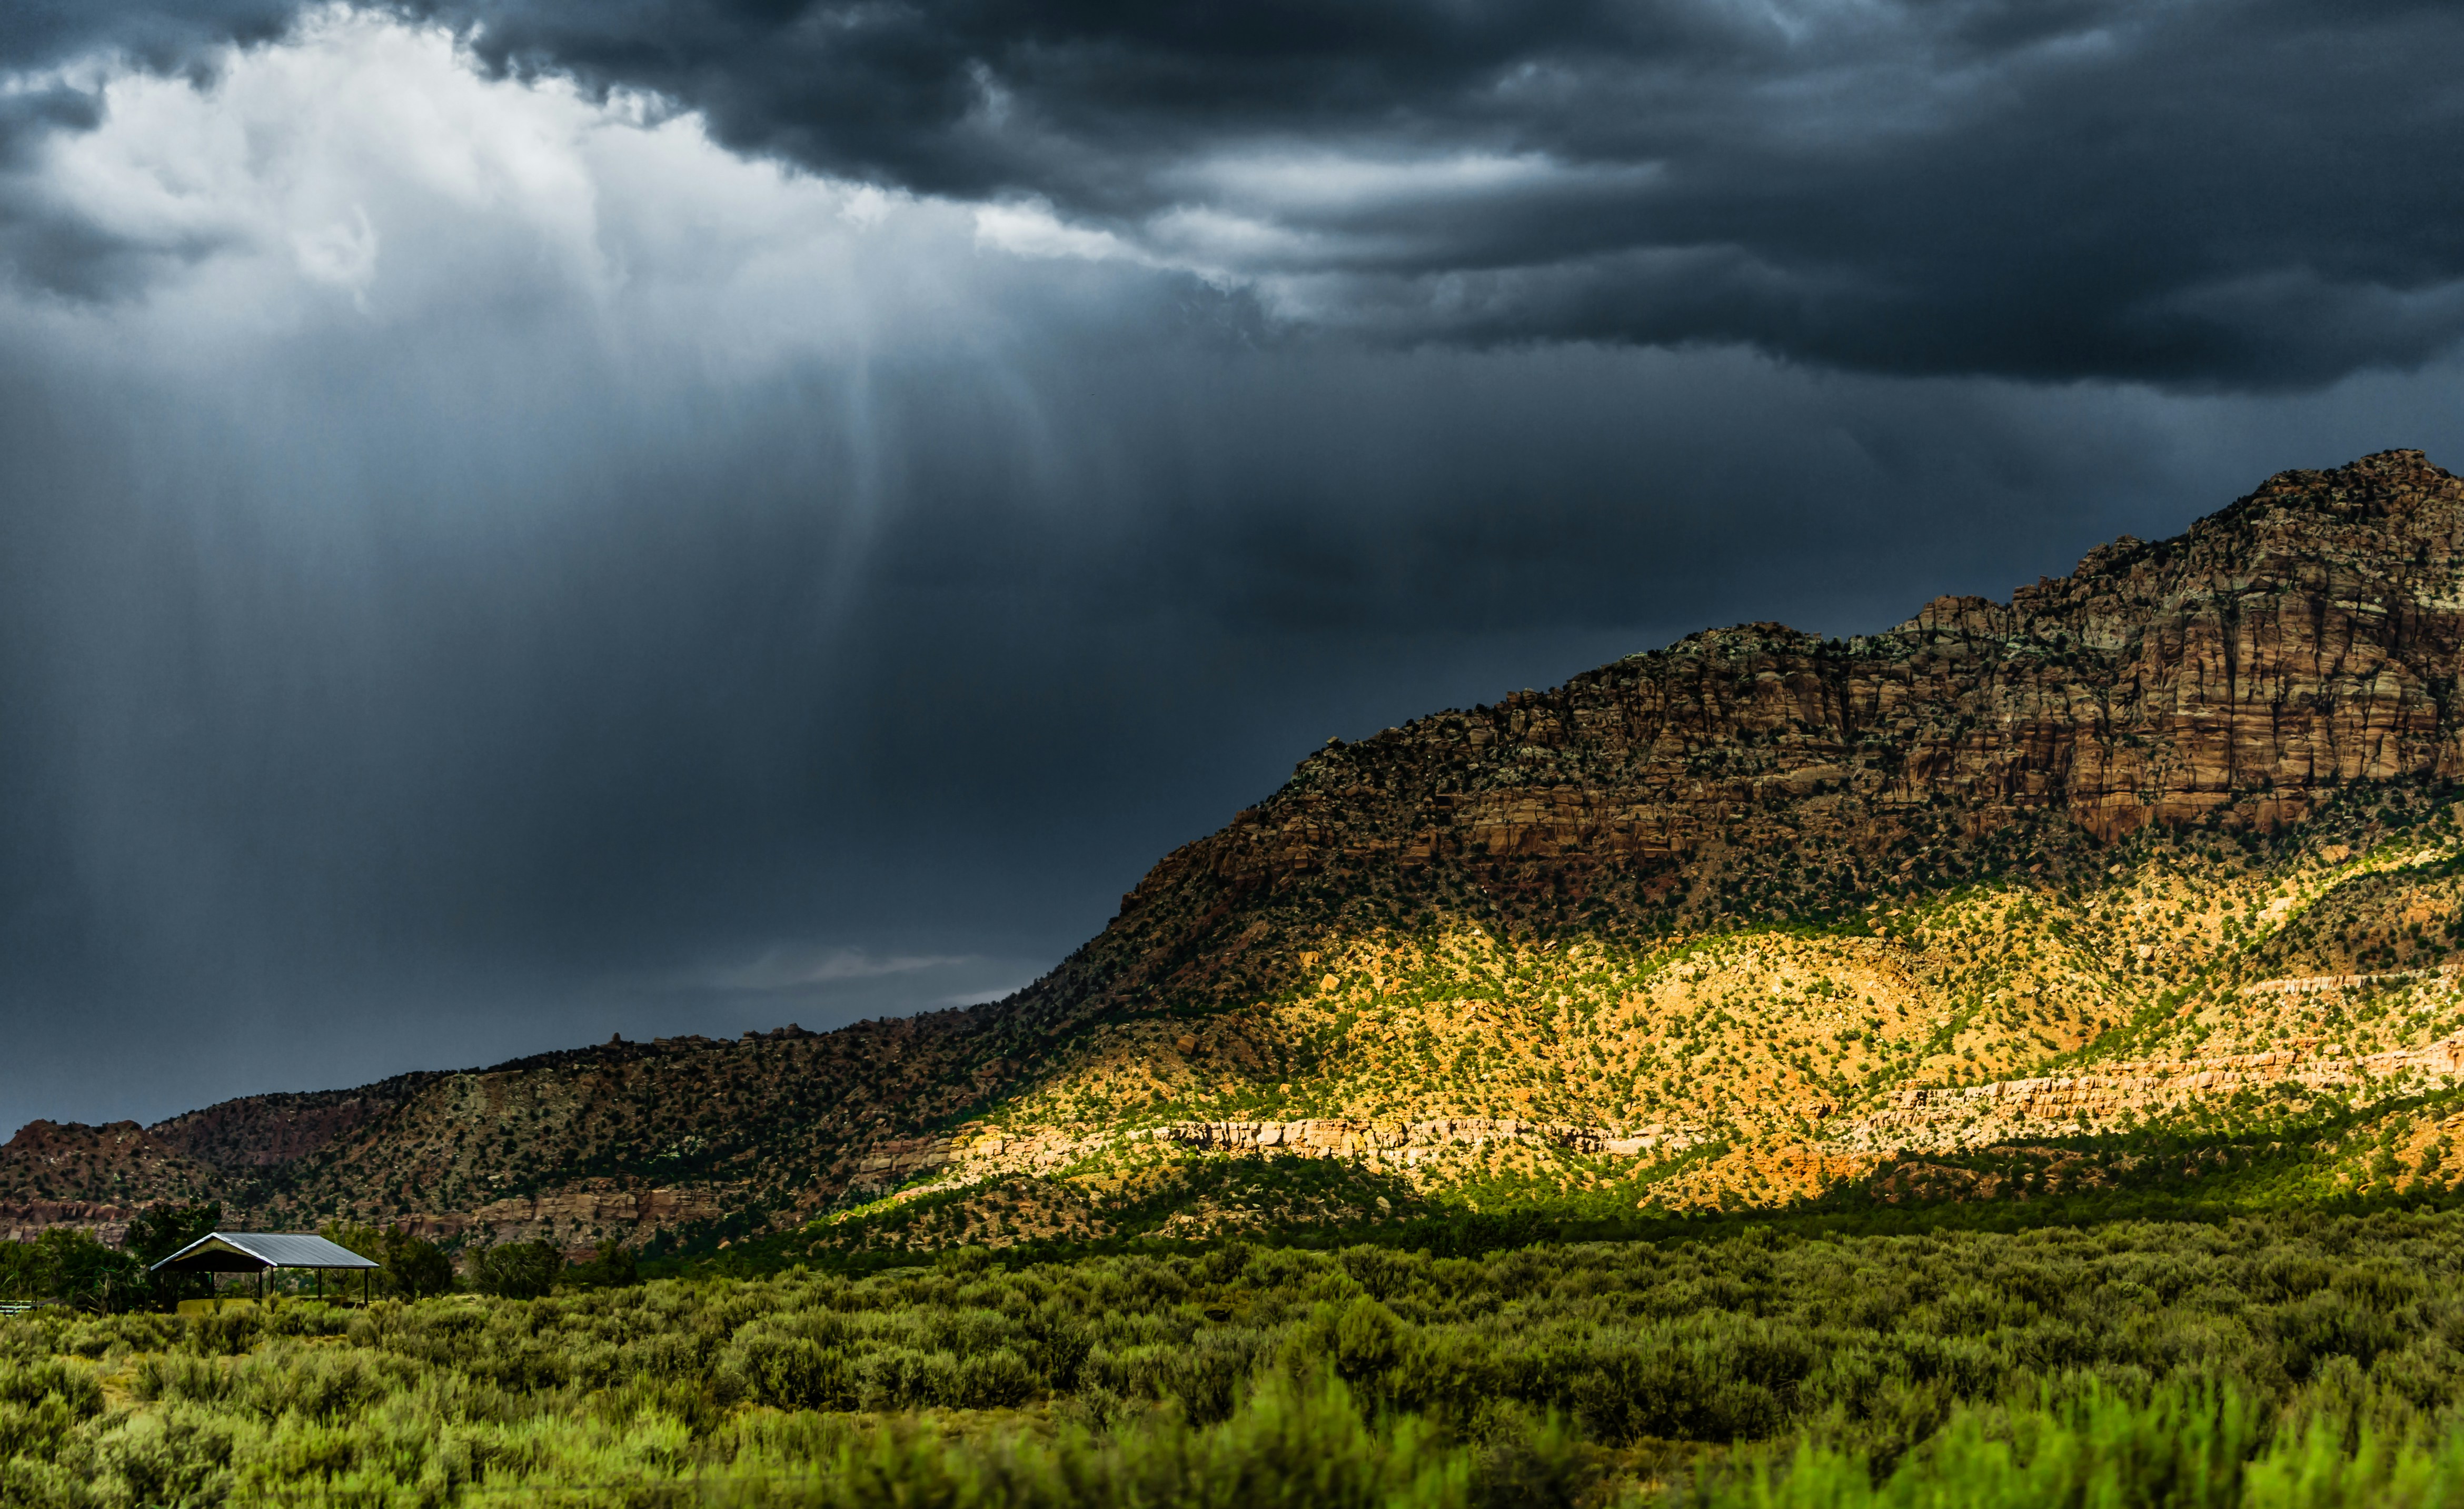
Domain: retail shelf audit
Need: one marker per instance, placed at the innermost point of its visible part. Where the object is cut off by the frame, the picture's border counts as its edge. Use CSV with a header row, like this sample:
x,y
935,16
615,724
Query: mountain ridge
x,y
1734,894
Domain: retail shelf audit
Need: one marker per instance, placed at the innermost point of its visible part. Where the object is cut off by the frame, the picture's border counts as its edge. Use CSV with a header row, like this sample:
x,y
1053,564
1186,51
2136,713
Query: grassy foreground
x,y
2290,1359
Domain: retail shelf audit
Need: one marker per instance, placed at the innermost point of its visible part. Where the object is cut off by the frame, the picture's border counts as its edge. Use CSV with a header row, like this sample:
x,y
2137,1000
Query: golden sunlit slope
x,y
1991,978
1760,1064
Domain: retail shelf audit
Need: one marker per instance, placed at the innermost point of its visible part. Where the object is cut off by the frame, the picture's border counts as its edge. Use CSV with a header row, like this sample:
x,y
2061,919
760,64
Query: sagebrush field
x,y
2285,1359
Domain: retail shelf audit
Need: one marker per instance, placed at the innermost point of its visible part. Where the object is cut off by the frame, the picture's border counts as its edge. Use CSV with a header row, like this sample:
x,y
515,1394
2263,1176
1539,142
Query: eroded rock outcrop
x,y
2304,639
24,1220
1404,1142
578,1217
1939,1119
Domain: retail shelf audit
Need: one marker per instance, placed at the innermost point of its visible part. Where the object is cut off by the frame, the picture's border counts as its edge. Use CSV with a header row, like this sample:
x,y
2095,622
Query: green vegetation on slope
x,y
2248,1153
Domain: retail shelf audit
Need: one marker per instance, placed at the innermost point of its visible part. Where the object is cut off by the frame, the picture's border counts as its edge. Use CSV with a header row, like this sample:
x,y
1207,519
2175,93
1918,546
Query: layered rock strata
x,y
1975,1115
24,1220
1407,1144
2304,639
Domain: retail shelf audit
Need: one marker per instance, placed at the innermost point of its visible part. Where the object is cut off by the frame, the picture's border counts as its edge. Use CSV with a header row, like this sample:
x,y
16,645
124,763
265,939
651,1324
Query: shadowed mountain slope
x,y
264,1131
55,1174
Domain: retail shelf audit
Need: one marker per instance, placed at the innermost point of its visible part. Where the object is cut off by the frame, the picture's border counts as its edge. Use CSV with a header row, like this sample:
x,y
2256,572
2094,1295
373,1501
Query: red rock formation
x,y
2306,638
65,1172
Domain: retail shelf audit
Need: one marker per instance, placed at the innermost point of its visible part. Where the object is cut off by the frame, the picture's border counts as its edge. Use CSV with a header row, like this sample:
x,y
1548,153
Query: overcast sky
x,y
525,521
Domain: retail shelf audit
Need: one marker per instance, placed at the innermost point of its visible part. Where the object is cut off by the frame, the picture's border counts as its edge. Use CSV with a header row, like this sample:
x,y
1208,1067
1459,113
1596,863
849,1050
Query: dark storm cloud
x,y
183,38
2239,195
407,699
2232,194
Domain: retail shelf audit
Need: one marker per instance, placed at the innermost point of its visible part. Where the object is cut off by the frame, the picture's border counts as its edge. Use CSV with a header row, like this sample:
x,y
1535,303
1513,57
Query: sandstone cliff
x,y
2305,639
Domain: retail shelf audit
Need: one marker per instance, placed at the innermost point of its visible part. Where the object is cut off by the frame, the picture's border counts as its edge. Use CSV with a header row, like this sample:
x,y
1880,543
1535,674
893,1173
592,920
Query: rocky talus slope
x,y
2170,837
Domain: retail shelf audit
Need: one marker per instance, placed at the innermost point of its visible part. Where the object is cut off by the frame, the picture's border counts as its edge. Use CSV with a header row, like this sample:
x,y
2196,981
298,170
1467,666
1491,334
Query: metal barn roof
x,y
247,1251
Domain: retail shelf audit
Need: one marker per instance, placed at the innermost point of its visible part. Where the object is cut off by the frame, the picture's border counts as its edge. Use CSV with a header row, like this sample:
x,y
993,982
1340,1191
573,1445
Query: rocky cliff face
x,y
1724,920
2305,639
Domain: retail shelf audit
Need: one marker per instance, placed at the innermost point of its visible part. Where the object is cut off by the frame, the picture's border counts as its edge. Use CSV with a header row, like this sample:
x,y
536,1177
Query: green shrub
x,y
175,1375
517,1270
313,1383
993,1380
613,1266
225,1331
788,1371
67,1264
177,1455
41,1402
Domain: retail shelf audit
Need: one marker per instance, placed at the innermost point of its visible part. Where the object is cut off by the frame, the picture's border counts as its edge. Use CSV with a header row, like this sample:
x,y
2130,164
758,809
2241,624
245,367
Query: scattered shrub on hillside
x,y
517,1270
